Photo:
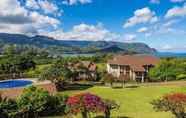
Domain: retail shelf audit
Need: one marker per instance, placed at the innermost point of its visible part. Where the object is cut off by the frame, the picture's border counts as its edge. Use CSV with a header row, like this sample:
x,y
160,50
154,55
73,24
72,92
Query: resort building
x,y
134,67
87,70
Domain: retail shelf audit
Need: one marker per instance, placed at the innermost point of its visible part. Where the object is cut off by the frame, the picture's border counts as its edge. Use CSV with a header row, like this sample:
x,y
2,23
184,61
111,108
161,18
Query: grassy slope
x,y
134,102
39,69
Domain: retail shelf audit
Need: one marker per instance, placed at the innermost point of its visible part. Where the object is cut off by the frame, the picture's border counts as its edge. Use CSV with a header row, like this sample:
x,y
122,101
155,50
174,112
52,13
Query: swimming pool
x,y
14,83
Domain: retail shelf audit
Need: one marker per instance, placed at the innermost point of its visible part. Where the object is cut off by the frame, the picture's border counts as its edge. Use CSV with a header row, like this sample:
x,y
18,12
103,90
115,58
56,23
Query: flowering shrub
x,y
176,103
85,103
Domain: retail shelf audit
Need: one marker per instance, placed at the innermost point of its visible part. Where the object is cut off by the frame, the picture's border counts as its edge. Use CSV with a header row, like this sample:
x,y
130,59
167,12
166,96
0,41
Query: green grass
x,y
101,67
134,102
38,70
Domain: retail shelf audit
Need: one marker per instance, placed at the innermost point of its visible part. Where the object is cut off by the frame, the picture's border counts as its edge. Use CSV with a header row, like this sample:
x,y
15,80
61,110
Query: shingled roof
x,y
136,62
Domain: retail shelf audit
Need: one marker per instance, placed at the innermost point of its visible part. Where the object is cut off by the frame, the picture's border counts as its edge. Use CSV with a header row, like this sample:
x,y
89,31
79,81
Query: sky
x,y
159,23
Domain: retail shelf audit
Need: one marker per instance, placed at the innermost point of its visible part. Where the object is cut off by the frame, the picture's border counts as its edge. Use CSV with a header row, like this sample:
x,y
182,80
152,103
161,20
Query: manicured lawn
x,y
134,102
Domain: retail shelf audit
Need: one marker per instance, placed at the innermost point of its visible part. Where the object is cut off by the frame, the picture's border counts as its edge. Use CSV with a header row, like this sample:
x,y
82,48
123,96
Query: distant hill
x,y
66,46
171,54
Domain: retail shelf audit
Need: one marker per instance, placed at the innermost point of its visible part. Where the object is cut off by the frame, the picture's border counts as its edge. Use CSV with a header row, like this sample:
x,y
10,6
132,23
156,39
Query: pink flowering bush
x,y
85,103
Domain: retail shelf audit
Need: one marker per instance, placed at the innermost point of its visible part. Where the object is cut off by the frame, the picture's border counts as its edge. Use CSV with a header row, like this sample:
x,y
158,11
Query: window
x,y
114,66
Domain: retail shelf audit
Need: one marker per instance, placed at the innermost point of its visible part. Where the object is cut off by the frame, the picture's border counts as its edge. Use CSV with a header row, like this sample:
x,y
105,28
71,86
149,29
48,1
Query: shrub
x,y
85,103
175,103
55,105
35,102
181,77
7,107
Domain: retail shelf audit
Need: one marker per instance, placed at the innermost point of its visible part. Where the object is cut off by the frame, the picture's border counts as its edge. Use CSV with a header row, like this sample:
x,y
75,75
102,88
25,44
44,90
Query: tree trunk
x,y
107,113
84,114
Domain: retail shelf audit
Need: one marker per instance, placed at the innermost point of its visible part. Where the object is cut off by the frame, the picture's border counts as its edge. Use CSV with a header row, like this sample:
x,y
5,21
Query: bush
x,y
86,103
33,101
7,107
181,77
55,105
175,103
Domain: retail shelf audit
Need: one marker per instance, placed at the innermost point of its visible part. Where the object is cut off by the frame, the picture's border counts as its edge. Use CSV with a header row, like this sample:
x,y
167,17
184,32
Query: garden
x,y
100,97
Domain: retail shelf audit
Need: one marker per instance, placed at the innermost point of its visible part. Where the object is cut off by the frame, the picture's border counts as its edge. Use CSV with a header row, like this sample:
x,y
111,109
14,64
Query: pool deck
x,y
13,93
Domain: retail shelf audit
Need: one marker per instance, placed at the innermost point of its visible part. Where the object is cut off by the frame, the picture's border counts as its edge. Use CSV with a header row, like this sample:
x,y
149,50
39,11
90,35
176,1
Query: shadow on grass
x,y
113,117
76,86
133,86
120,87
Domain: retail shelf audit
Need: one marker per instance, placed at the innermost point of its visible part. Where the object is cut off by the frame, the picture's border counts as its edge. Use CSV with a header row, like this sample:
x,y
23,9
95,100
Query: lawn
x,y
38,70
134,102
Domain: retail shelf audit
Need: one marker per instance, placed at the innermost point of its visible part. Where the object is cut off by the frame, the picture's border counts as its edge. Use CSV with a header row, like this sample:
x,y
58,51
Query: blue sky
x,y
159,23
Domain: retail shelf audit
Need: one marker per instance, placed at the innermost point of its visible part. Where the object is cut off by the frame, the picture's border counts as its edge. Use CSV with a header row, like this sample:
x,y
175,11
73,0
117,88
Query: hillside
x,y
64,46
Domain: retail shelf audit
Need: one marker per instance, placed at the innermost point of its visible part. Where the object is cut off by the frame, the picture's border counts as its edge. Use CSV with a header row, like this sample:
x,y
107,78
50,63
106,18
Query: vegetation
x,y
169,69
33,103
59,47
85,103
135,102
58,74
176,103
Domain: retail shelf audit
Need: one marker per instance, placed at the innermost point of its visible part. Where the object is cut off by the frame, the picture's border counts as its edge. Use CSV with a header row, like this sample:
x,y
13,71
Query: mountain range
x,y
74,46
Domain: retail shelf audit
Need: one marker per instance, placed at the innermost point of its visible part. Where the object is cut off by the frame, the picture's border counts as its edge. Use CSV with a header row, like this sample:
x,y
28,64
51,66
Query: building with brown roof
x,y
86,70
135,67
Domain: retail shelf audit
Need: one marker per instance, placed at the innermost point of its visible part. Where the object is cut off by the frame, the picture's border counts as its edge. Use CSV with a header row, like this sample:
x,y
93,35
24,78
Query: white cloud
x,y
22,20
144,15
44,5
32,4
143,29
84,32
155,1
172,48
170,23
48,7
129,37
175,1
176,12
167,47
74,2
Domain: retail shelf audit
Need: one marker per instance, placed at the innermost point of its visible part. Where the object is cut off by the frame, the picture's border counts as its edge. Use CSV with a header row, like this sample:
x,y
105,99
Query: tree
x,y
166,70
175,103
57,75
109,78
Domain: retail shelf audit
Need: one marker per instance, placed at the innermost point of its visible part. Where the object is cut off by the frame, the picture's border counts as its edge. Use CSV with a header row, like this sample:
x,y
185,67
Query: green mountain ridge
x,y
73,46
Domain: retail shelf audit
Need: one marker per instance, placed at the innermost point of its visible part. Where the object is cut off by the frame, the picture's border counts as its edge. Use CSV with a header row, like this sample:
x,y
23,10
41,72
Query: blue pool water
x,y
14,83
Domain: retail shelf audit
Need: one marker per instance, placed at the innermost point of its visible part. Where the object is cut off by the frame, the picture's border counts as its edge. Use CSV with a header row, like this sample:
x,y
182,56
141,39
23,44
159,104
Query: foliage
x,y
168,69
16,65
55,105
109,78
7,107
85,103
35,102
57,73
176,103
181,77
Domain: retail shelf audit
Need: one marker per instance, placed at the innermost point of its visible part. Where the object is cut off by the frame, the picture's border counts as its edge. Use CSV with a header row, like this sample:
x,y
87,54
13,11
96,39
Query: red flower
x,y
85,101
